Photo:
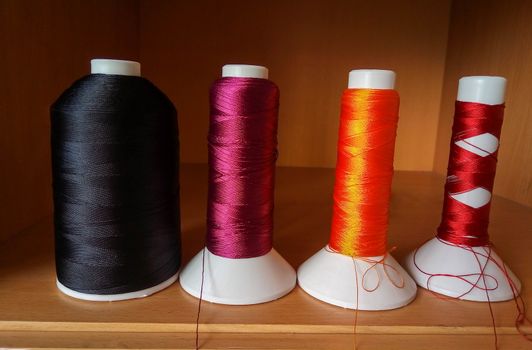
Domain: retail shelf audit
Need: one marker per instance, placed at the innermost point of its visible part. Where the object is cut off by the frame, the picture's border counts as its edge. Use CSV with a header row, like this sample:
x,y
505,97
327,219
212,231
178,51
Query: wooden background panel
x,y
44,47
309,48
494,38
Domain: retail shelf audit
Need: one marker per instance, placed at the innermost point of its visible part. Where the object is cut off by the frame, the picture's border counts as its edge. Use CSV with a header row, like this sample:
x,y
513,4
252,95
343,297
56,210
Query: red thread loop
x,y
373,267
387,268
482,283
466,278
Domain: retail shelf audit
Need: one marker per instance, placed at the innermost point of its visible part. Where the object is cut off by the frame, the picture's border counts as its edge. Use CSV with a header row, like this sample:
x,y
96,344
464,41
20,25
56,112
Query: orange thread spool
x,y
364,169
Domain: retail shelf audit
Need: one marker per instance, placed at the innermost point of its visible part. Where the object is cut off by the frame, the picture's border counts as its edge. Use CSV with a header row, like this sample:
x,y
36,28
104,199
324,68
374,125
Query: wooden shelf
x,y
33,313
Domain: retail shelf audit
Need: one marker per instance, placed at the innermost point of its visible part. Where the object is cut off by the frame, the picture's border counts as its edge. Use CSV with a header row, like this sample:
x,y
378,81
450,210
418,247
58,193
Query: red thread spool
x,y
460,261
471,173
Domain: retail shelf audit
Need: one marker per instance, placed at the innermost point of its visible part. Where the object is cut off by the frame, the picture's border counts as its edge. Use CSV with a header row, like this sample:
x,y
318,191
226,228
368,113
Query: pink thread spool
x,y
238,281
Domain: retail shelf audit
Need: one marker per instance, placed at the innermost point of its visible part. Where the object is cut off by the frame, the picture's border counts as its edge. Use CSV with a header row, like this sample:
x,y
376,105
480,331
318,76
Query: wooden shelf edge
x,y
211,341
38,326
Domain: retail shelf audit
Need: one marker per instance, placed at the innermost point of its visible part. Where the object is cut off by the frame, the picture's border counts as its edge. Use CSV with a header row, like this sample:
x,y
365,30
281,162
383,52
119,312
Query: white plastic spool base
x,y
131,68
239,281
439,257
116,297
330,277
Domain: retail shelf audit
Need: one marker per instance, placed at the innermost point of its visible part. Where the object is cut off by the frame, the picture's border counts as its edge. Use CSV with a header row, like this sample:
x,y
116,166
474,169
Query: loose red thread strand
x,y
200,297
356,307
464,278
374,264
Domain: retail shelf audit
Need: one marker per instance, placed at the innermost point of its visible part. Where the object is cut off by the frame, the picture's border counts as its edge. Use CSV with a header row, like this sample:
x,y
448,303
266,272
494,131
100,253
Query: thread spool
x,y
340,279
437,263
238,281
93,155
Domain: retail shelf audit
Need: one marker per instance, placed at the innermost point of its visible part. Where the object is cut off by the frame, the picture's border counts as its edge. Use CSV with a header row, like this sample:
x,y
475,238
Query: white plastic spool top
x,y
437,257
116,67
244,71
348,282
482,89
371,79
239,281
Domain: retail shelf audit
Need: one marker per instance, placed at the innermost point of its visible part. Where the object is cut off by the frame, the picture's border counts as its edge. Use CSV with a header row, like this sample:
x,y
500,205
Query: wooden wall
x,y
44,46
491,37
309,47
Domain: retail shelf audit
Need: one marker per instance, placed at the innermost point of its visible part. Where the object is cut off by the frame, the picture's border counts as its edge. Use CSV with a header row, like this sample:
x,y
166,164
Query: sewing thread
x,y
462,223
364,170
465,223
115,185
242,155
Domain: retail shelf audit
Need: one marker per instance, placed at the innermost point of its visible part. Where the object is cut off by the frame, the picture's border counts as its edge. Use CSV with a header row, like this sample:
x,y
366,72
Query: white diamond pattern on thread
x,y
474,198
482,145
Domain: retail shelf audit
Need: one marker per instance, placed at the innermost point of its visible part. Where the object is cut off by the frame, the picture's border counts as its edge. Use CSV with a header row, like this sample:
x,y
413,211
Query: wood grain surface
x,y
30,302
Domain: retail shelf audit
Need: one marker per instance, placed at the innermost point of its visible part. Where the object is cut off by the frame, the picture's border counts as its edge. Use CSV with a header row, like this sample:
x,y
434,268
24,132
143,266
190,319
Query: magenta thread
x,y
242,154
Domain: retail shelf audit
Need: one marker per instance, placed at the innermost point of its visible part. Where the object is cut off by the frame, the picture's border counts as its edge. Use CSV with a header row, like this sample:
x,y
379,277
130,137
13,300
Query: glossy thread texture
x,y
242,154
115,185
364,170
462,224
